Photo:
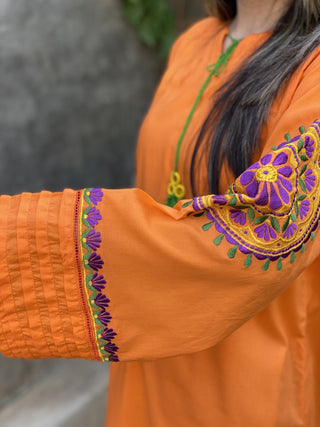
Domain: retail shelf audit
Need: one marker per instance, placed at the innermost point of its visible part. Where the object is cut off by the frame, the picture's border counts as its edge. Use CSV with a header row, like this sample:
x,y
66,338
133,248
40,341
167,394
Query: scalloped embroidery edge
x,y
95,282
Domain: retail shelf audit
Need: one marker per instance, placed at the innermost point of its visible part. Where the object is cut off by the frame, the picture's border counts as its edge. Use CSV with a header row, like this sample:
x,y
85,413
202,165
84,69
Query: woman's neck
x,y
256,16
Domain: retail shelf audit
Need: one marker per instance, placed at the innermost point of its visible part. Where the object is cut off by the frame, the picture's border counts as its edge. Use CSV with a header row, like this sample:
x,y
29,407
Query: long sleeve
x,y
114,275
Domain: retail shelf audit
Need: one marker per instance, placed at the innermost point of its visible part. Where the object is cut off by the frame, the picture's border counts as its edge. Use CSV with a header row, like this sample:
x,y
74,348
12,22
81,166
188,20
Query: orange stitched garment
x,y
213,317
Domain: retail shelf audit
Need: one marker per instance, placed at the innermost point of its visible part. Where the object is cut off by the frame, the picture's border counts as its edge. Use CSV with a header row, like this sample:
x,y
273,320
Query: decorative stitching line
x,y
95,282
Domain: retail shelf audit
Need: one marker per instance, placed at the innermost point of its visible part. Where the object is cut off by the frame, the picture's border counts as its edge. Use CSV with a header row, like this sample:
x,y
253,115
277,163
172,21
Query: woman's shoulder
x,y
196,34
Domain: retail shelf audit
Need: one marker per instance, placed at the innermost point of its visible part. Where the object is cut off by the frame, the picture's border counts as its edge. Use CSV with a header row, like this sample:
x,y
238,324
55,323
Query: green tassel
x,y
313,236
279,265
172,200
303,248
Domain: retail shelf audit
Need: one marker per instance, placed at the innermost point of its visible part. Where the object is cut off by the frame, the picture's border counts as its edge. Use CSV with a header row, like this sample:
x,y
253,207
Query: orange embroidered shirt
x,y
212,306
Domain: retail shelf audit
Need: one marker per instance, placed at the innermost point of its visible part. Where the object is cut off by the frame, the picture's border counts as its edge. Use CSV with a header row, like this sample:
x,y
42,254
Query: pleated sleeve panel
x,y
43,305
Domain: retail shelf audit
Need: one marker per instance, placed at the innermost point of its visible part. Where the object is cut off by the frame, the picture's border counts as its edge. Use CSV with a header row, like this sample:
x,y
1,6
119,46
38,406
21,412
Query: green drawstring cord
x,y
176,190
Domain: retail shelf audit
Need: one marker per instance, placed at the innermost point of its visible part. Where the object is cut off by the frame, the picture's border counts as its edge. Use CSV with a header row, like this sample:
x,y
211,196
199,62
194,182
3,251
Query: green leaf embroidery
x,y
232,252
260,219
303,248
287,137
313,236
273,148
248,261
302,185
296,208
293,217
185,205
303,169
266,265
292,258
206,227
275,224
218,239
302,129
301,197
303,157
279,265
300,145
285,225
251,214
233,201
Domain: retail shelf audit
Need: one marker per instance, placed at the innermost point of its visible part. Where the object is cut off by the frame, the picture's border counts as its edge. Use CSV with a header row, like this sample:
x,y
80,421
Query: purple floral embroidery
x,y
309,179
304,208
93,216
269,174
95,261
98,282
108,334
104,317
265,231
96,195
111,348
290,231
93,240
101,300
238,216
113,358
309,146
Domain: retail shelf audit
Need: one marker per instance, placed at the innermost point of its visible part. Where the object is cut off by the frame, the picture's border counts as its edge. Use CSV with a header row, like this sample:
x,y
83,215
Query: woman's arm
x,y
111,274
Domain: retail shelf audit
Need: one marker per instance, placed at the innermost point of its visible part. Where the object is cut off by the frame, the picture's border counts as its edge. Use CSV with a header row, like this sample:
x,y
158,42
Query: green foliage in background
x,y
154,22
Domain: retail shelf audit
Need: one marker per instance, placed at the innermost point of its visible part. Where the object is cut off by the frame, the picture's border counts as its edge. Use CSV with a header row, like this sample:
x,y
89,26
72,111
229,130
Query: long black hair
x,y
241,106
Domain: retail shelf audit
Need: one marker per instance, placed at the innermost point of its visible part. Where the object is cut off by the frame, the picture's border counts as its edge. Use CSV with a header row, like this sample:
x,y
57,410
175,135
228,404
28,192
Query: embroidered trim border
x,y
94,281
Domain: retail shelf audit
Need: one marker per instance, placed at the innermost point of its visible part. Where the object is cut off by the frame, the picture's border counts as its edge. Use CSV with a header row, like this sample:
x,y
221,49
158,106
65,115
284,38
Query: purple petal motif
x,y
93,240
95,261
111,348
238,216
266,159
246,177
309,180
275,201
290,231
108,334
96,195
93,216
265,231
281,159
98,282
101,300
304,208
113,358
104,318
309,146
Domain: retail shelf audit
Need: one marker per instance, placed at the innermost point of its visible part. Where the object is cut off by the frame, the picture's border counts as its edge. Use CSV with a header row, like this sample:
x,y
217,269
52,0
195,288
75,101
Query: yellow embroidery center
x,y
267,173
86,262
84,240
85,216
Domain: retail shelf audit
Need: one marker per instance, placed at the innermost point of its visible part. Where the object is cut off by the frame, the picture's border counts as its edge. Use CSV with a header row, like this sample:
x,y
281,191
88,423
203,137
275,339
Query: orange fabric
x,y
202,339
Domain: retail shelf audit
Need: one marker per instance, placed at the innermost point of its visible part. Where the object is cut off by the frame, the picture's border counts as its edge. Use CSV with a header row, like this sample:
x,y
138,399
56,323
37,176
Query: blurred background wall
x,y
75,83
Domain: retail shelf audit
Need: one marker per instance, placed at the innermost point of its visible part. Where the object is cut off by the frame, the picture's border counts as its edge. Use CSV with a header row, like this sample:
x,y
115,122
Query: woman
x,y
211,306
